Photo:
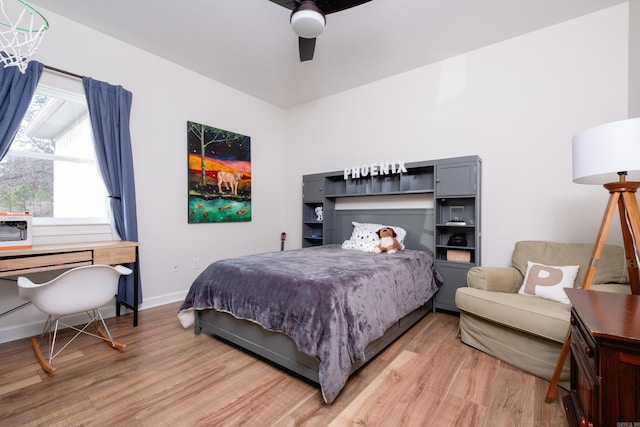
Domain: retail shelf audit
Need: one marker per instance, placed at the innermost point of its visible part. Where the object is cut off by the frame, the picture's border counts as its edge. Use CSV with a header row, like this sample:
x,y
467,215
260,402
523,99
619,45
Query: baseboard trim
x,y
16,332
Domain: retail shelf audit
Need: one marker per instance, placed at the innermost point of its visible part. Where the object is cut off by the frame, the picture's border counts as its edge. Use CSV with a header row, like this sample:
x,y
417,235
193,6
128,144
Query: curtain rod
x,y
58,70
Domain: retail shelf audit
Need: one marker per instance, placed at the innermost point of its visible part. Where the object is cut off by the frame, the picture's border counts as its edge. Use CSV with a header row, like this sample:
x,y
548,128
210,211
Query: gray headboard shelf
x,y
450,188
419,224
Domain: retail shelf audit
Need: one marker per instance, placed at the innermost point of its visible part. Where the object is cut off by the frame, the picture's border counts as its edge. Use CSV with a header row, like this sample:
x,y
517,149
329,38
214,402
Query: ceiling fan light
x,y
307,24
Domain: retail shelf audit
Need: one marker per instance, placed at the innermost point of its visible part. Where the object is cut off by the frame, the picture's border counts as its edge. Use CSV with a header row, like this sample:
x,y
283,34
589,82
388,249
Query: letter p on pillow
x,y
541,275
548,281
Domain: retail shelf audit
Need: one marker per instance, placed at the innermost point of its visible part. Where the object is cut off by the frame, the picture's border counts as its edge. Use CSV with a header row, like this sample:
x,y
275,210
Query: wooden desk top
x,y
14,262
66,247
608,315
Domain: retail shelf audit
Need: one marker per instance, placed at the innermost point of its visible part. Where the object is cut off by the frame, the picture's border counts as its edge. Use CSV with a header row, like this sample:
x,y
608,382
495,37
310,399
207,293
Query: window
x,y
51,168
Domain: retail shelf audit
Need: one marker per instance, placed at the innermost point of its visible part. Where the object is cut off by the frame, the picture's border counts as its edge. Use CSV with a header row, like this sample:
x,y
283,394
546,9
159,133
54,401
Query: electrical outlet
x,y
175,266
196,263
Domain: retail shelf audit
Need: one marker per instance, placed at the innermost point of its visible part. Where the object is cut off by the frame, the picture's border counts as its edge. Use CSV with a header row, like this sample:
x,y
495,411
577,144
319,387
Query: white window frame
x,y
63,230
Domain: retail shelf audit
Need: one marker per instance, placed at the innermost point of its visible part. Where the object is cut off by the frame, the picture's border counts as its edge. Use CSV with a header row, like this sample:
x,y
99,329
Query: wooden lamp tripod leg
x,y
566,346
630,224
614,197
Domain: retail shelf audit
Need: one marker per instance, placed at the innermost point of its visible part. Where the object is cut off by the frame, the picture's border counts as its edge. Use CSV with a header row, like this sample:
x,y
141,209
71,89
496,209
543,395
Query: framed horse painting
x,y
219,168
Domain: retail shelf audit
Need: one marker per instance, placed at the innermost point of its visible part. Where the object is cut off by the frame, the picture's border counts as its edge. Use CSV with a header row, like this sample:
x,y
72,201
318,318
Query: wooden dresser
x,y
605,359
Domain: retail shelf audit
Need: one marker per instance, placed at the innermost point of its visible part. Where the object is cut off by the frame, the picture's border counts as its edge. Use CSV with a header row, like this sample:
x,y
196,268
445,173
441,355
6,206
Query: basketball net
x,y
20,38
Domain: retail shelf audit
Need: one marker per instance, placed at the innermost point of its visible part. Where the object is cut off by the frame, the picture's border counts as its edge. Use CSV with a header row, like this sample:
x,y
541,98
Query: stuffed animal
x,y
388,241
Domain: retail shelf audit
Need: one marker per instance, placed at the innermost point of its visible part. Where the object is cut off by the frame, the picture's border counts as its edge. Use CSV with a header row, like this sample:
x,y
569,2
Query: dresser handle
x,y
572,320
584,422
588,351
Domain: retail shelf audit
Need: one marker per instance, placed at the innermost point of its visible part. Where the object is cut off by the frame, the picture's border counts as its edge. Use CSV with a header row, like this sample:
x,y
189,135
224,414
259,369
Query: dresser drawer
x,y
582,345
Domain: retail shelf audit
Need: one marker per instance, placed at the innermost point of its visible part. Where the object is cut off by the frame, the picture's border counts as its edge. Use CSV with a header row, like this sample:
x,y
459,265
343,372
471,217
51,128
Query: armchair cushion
x,y
535,316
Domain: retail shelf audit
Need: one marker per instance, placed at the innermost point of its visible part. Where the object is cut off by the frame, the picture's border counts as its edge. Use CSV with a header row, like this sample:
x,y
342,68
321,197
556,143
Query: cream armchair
x,y
527,331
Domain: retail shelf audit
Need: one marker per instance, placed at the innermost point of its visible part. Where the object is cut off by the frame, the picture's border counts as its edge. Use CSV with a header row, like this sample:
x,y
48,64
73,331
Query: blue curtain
x,y
16,91
109,110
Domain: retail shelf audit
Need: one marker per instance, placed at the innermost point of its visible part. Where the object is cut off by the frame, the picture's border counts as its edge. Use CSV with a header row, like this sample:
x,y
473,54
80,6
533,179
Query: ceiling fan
x,y
308,19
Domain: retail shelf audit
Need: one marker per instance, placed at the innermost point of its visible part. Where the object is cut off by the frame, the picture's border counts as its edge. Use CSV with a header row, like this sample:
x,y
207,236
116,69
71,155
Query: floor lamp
x,y
609,155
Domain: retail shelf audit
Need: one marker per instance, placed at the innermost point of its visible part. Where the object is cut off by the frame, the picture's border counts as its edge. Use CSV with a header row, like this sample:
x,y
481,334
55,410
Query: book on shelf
x,y
458,255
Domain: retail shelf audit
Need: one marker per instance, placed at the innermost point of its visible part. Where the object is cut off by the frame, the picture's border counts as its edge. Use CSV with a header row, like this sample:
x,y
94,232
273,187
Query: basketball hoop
x,y
20,38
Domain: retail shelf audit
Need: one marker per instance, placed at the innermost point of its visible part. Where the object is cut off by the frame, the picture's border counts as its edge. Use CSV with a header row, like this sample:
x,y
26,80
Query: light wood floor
x,y
167,376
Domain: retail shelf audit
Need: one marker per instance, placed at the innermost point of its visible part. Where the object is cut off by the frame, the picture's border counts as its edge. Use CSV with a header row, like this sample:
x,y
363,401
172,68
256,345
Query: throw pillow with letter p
x,y
548,281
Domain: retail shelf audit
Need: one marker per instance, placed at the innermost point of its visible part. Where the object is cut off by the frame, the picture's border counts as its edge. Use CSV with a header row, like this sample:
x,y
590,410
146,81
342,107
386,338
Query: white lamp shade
x,y
599,153
307,24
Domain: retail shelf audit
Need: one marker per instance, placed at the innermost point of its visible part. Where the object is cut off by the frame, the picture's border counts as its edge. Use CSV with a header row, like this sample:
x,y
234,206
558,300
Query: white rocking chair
x,y
81,289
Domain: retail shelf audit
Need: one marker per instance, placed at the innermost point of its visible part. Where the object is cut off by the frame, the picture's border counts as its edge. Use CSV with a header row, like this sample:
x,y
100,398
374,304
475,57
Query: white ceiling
x,y
249,45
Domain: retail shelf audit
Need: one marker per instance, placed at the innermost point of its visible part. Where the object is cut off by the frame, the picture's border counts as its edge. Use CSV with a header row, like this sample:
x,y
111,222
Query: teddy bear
x,y
388,241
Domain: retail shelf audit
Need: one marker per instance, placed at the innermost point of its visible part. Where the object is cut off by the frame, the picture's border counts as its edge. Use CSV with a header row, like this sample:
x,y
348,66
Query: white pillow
x,y
364,242
364,236
364,227
548,281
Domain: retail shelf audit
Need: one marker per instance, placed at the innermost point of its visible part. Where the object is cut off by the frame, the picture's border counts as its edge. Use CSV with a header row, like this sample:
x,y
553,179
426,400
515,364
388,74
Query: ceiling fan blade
x,y
327,6
307,47
332,6
289,4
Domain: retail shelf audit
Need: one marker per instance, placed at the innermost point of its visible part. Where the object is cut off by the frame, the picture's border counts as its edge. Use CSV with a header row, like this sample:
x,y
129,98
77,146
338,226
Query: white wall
x,y
517,104
165,97
634,58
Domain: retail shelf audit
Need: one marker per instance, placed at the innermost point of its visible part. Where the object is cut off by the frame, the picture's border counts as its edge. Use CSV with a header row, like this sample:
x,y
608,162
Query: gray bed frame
x,y
278,348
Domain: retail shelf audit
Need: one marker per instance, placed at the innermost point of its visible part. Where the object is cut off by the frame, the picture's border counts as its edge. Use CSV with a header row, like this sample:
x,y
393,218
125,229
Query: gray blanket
x,y
332,302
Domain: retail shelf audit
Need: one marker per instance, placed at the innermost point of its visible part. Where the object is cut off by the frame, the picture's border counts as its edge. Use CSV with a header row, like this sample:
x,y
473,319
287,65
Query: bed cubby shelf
x,y
455,186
